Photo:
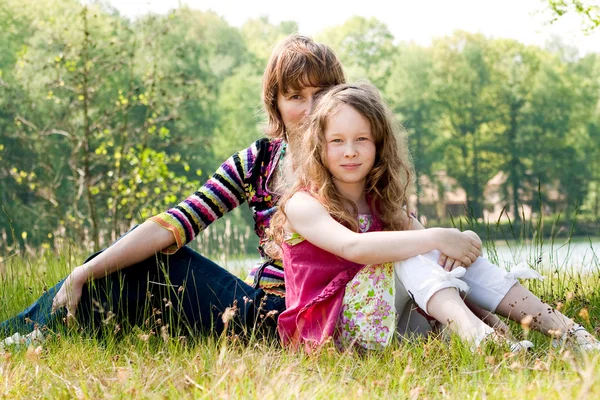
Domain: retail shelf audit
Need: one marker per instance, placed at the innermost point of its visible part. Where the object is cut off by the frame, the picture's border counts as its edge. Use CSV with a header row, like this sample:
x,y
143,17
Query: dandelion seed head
x,y
164,333
570,296
228,314
585,315
526,323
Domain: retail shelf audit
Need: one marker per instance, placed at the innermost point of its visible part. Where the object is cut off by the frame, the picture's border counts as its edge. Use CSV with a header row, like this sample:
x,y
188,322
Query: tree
x,y
411,95
365,47
515,69
104,96
14,24
260,36
240,112
556,158
589,13
463,81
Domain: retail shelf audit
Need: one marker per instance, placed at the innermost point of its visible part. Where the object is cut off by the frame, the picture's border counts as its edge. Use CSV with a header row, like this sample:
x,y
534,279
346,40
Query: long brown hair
x,y
297,62
387,185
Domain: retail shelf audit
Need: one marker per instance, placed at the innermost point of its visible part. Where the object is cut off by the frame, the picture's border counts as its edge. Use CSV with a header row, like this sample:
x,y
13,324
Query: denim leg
x,y
185,290
207,290
39,313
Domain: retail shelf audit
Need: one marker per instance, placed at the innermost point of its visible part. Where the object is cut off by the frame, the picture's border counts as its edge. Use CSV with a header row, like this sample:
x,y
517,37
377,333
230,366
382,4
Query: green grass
x,y
146,365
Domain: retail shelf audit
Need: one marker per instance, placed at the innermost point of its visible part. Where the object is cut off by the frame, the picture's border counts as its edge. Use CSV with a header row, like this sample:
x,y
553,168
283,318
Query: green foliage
x,y
117,123
365,47
464,92
240,112
105,121
587,10
260,37
411,93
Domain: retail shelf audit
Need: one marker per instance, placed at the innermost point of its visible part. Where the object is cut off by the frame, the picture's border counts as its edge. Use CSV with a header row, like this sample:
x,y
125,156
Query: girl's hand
x,y
473,235
70,293
449,263
457,246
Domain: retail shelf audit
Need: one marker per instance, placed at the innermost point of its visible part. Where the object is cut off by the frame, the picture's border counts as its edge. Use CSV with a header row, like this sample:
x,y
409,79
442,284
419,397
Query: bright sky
x,y
408,20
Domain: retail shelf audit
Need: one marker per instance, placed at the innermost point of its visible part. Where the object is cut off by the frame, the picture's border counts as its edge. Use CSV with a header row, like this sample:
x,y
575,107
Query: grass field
x,y
143,364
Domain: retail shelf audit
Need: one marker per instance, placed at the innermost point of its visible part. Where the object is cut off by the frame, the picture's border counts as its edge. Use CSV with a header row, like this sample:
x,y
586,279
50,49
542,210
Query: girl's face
x,y
350,146
295,106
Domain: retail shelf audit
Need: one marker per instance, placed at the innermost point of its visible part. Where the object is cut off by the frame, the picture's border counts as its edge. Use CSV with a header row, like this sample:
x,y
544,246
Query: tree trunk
x,y
87,133
514,162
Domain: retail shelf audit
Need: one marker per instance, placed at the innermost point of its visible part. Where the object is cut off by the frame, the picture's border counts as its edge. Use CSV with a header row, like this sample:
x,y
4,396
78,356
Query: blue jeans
x,y
185,291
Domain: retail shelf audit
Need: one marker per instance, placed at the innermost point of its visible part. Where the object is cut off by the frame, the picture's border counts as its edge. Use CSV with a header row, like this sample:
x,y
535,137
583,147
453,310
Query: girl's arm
x,y
223,192
168,231
310,219
448,263
139,244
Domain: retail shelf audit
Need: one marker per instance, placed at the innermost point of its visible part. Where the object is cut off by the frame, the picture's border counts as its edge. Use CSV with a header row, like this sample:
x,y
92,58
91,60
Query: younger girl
x,y
348,208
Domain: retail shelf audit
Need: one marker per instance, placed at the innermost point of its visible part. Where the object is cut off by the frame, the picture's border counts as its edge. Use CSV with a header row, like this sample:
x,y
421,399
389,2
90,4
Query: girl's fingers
x,y
475,251
476,256
449,263
442,260
55,305
472,257
465,261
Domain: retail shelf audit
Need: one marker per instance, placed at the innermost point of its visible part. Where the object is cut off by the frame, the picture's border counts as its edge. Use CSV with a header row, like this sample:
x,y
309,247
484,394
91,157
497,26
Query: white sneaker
x,y
522,346
577,338
36,337
515,347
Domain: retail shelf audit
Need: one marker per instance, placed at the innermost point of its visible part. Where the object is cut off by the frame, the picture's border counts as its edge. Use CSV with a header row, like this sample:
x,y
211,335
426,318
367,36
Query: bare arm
x,y
139,244
150,238
144,241
310,219
449,263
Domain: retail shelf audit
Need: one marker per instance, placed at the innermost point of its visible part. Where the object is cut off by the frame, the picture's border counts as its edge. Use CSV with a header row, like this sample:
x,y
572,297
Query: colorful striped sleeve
x,y
223,192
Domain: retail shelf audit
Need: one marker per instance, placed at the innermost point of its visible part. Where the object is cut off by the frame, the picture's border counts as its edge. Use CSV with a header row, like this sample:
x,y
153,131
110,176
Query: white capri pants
x,y
484,283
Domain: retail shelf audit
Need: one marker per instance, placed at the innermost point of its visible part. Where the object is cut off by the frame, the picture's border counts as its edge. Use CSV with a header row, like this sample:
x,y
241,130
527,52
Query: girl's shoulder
x,y
301,207
302,202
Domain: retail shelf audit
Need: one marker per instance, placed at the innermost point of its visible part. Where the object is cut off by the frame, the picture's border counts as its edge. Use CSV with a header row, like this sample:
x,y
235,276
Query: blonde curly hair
x,y
388,185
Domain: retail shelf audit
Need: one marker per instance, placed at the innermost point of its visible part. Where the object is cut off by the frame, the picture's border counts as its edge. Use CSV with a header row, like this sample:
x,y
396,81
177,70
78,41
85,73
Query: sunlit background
x,y
420,21
113,111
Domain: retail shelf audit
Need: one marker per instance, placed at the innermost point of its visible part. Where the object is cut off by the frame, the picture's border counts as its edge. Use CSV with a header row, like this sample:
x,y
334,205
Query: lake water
x,y
579,254
576,255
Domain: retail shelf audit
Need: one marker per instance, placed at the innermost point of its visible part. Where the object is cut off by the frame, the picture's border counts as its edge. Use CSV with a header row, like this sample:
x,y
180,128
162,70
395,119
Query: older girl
x,y
152,264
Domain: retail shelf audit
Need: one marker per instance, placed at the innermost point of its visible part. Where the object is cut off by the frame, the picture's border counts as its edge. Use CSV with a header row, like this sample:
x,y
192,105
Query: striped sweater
x,y
245,176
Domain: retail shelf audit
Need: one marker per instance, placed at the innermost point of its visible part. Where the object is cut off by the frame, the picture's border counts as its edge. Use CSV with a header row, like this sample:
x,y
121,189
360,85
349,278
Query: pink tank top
x,y
315,282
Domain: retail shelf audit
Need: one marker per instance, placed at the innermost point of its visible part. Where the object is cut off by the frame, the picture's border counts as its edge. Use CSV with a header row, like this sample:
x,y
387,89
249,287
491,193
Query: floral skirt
x,y
368,316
